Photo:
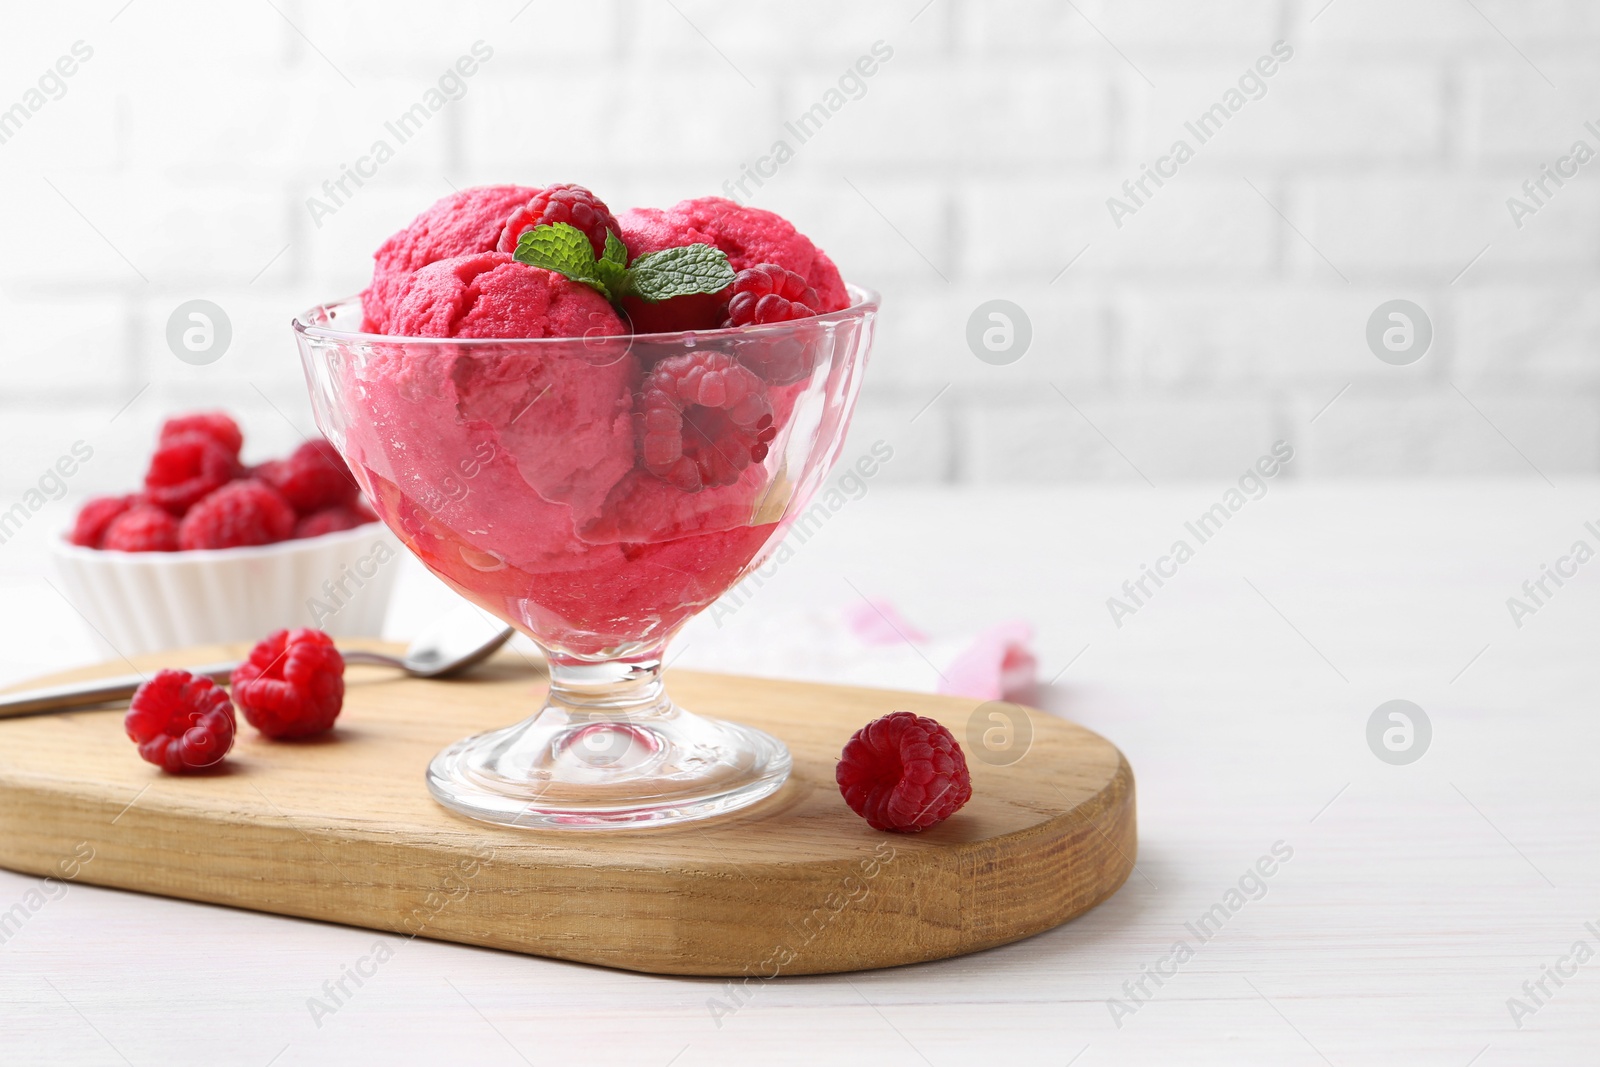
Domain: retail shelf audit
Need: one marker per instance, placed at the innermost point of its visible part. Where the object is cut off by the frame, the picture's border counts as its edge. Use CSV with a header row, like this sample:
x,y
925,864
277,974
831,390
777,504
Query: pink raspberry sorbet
x,y
749,235
492,295
460,224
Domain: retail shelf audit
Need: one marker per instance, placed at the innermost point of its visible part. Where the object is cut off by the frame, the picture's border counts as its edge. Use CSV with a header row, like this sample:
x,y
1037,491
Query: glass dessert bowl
x,y
595,493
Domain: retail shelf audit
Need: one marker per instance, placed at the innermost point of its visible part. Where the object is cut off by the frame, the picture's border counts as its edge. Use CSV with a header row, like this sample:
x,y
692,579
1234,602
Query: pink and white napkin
x,y
869,643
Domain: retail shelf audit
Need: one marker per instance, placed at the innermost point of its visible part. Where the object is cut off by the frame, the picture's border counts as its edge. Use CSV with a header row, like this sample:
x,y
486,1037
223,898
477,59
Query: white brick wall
x,y
1223,314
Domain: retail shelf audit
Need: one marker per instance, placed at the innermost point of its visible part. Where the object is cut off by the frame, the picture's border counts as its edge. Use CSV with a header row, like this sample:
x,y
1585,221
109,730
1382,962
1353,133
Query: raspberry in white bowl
x,y
213,550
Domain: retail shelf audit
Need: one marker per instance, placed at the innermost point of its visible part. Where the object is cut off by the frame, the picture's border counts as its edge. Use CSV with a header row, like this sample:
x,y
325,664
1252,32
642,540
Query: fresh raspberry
x,y
903,772
332,520
240,513
214,424
767,293
180,723
313,478
142,528
571,204
764,294
292,685
702,418
185,468
780,360
89,528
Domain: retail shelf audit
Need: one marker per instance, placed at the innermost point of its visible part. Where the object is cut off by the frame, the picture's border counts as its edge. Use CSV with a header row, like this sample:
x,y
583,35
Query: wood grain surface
x,y
343,829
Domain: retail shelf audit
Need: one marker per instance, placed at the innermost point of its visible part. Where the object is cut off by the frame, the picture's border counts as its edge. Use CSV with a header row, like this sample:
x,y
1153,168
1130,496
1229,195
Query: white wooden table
x,y
1417,901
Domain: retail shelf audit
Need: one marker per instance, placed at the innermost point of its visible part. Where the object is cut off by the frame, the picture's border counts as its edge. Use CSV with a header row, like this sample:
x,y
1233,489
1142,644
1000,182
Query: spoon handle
x,y
87,694
376,659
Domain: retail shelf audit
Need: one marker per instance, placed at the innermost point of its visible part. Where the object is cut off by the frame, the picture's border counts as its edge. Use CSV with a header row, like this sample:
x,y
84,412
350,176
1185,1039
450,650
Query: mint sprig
x,y
682,271
562,248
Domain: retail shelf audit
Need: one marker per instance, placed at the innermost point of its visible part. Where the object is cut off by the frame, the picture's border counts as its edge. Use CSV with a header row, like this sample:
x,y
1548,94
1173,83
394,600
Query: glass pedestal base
x,y
608,750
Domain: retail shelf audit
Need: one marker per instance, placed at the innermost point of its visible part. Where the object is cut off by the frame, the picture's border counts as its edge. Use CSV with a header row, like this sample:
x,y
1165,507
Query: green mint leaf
x,y
616,252
561,248
613,277
679,272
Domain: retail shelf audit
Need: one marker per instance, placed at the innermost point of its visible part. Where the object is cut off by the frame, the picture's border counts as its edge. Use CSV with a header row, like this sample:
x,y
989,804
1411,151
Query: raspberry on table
x,y
89,528
702,418
142,528
903,772
186,467
292,685
314,477
767,293
238,514
213,424
571,204
332,520
181,723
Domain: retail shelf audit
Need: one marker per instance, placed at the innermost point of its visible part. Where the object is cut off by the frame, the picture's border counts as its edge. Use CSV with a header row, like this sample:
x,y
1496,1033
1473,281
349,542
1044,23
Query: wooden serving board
x,y
343,829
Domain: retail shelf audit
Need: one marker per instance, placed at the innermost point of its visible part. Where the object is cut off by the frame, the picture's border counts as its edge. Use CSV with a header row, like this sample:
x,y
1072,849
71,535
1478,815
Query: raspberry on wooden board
x,y
292,685
180,722
903,772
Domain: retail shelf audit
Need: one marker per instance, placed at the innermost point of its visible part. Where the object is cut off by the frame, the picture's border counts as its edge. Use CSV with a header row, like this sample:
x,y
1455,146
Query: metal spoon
x,y
448,647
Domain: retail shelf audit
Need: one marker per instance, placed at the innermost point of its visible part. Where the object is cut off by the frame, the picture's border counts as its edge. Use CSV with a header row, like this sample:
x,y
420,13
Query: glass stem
x,y
627,689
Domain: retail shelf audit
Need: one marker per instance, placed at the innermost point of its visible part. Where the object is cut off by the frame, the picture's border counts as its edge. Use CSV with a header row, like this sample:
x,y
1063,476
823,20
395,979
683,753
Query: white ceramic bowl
x,y
148,601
